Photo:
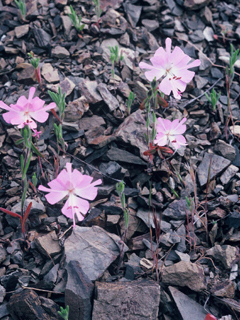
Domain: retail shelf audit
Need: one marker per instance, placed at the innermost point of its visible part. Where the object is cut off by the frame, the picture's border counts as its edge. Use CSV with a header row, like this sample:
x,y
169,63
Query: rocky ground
x,y
91,269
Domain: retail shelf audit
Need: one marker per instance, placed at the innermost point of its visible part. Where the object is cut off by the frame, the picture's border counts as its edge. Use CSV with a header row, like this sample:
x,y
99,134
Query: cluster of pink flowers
x,y
25,111
173,67
72,184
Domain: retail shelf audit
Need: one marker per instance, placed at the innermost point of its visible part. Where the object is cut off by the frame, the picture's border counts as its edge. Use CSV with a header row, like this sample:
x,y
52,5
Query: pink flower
x,y
173,66
72,184
36,133
170,132
25,110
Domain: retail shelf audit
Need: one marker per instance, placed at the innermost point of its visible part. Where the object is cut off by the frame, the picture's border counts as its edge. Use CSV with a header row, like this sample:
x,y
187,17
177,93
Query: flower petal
x,y
54,196
31,93
165,86
87,191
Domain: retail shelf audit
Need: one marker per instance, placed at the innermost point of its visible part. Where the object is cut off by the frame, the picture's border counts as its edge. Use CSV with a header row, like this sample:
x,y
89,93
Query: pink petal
x,y
161,139
178,127
31,93
36,104
40,115
154,73
177,55
81,204
22,102
179,141
144,65
54,196
87,191
4,106
168,44
9,116
165,86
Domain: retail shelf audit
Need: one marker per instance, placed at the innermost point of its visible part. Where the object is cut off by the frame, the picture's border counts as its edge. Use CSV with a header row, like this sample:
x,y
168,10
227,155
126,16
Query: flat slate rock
x,y
133,300
78,293
116,154
94,248
185,274
188,308
216,164
133,130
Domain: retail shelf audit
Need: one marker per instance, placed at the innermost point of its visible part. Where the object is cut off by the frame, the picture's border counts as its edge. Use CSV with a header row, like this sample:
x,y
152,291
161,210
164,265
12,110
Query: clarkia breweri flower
x,y
170,132
25,110
173,66
75,186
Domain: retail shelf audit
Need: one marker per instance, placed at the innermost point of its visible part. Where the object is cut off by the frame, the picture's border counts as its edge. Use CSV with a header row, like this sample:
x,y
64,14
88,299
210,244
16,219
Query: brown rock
x,y
195,4
48,244
27,75
27,305
66,85
76,109
78,293
185,274
133,130
49,73
108,98
21,30
60,52
126,300
225,289
89,90
225,254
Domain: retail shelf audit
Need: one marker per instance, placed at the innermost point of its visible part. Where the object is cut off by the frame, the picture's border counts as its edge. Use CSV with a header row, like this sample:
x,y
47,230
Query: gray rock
x,y
185,274
132,131
3,310
225,150
108,98
94,249
36,207
67,24
60,52
66,86
48,244
150,25
208,34
2,293
88,123
224,289
197,36
177,210
51,276
188,308
228,174
3,254
126,300
133,13
195,4
147,216
121,155
200,81
78,293
21,30
205,63
89,90
226,255
169,239
42,37
216,164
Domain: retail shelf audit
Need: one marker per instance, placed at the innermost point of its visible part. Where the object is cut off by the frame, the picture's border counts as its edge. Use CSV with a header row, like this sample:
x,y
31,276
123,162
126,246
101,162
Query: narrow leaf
x,y
26,214
13,214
